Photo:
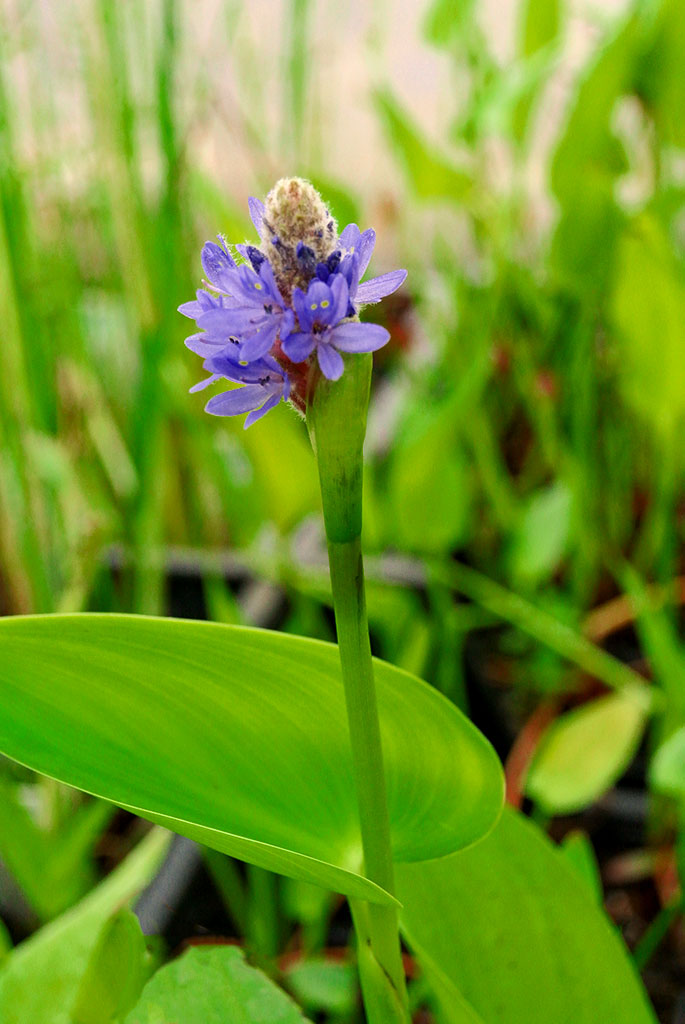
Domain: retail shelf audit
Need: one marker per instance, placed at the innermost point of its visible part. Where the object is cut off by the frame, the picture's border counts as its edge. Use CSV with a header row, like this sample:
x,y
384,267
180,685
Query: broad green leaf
x,y
433,492
584,752
306,904
213,985
327,985
542,535
667,770
648,307
587,133
440,484
430,174
118,969
577,849
662,84
40,979
587,163
238,738
288,495
507,932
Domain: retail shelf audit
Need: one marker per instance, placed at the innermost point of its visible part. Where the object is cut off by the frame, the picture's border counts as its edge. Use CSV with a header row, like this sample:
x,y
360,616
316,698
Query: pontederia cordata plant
x,y
314,762
281,324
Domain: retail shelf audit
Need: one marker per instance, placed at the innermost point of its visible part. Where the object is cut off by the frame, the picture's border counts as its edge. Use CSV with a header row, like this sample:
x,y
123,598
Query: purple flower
x,y
264,382
249,307
319,313
194,310
294,293
351,259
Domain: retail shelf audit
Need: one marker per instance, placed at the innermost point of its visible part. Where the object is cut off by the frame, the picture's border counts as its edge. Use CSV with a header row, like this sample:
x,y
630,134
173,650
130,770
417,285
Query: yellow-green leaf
x,y
584,752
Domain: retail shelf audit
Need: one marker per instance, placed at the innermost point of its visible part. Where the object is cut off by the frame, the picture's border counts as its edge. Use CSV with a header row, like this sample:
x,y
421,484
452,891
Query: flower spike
x,y
289,309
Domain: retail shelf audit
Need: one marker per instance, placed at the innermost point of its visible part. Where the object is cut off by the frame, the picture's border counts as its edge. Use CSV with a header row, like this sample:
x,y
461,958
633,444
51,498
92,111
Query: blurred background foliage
x,y
524,519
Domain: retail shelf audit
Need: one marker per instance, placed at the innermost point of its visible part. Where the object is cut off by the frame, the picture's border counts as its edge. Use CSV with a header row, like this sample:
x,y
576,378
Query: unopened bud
x,y
298,232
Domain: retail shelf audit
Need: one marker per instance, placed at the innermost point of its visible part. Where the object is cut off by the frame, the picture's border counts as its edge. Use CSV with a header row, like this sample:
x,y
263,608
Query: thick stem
x,y
384,993
336,418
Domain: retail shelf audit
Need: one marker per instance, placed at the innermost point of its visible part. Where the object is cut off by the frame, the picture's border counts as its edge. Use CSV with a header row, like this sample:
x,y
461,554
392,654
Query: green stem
x,y
556,635
347,581
336,418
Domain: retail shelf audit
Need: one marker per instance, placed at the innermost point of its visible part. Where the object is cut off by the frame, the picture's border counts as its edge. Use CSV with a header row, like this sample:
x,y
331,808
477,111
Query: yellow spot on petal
x,y
258,286
325,304
313,305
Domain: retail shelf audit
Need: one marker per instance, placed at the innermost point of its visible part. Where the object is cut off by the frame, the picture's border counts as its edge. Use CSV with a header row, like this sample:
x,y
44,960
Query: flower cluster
x,y
269,316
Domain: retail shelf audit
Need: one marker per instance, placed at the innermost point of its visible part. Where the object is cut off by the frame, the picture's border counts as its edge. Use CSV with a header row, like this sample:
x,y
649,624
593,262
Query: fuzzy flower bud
x,y
298,232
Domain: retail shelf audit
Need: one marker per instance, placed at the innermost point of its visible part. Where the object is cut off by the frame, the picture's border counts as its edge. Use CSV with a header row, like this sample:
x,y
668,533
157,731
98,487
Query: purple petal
x,y
227,365
304,316
207,300
341,298
299,346
225,323
256,208
359,337
320,304
249,288
267,275
242,249
259,344
192,309
358,243
205,383
202,345
270,365
217,265
225,362
286,386
364,249
378,287
317,293
252,255
257,414
233,403
349,237
287,324
203,302
349,269
330,361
